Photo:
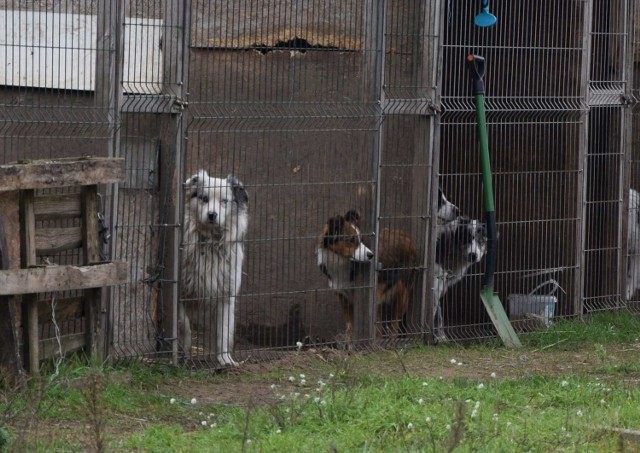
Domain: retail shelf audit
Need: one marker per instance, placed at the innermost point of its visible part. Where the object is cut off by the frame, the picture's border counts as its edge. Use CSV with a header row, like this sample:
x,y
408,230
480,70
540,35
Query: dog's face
x,y
341,236
471,236
447,211
213,201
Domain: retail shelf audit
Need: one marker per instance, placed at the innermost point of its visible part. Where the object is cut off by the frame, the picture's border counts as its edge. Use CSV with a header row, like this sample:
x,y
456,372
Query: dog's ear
x,y
240,195
336,225
200,176
352,215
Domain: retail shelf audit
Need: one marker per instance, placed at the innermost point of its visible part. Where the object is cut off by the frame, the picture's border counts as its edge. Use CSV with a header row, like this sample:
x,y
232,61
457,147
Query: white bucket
x,y
532,305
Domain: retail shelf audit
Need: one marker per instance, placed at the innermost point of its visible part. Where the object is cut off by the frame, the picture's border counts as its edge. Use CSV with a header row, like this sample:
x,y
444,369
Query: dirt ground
x,y
251,383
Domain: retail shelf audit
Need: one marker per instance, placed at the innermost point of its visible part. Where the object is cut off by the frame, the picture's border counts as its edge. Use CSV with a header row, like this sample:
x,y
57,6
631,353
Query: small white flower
x,y
303,381
468,400
494,418
292,379
316,399
563,428
248,442
331,375
425,384
201,414
493,375
278,431
477,405
302,376
203,423
172,401
299,344
474,413
211,415
428,419
459,363
420,401
480,386
454,361
564,384
603,402
307,396
213,425
323,403
273,386
508,423
194,401
441,378
448,427
579,413
410,426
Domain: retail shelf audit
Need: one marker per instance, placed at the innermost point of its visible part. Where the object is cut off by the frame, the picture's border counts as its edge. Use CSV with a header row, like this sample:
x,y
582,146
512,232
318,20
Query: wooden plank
x,y
67,309
29,302
50,241
9,339
70,343
55,207
91,254
27,230
62,278
45,174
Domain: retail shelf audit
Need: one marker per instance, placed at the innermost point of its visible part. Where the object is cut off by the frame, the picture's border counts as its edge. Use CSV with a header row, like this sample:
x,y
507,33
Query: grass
x,y
562,391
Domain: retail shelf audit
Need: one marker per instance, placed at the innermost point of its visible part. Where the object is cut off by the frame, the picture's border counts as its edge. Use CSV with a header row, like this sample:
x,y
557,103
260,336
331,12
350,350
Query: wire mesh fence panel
x,y
289,99
153,84
536,123
609,143
632,278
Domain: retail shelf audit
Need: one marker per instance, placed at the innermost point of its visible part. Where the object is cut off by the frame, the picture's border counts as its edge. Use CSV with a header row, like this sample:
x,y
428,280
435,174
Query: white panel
x,y
53,50
142,70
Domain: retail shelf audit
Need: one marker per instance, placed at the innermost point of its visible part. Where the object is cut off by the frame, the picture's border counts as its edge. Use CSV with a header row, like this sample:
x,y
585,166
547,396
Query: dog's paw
x,y
440,338
226,361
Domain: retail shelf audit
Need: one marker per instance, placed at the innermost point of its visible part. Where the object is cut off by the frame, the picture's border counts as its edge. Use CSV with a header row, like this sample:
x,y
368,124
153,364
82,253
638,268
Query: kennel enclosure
x,y
321,107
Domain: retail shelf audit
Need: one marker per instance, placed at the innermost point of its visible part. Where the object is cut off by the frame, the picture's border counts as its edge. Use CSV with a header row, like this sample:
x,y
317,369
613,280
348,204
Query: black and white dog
x,y
460,243
633,260
447,211
215,224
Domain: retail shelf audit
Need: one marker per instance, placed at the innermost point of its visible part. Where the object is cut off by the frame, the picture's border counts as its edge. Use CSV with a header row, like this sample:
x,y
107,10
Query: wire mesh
x,y
322,108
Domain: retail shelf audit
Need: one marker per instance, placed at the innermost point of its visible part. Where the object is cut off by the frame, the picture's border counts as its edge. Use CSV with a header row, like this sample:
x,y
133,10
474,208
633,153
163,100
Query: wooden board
x,y
62,278
57,206
45,174
50,241
70,343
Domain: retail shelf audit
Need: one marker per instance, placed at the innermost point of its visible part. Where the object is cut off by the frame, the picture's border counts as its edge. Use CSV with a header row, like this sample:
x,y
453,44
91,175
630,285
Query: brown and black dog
x,y
341,253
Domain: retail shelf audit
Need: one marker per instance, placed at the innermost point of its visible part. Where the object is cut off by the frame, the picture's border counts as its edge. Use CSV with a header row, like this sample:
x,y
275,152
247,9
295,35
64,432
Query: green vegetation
x,y
568,389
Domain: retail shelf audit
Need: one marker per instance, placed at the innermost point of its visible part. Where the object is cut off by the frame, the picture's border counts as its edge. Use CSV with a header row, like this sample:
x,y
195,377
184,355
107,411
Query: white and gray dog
x,y
216,220
633,261
460,243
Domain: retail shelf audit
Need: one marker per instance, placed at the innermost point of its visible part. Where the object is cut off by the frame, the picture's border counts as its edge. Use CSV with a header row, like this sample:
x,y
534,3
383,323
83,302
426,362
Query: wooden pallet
x,y
36,242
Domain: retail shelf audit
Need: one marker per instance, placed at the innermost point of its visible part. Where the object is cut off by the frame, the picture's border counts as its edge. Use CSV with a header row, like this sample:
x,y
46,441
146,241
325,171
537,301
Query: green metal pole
x,y
492,302
485,162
